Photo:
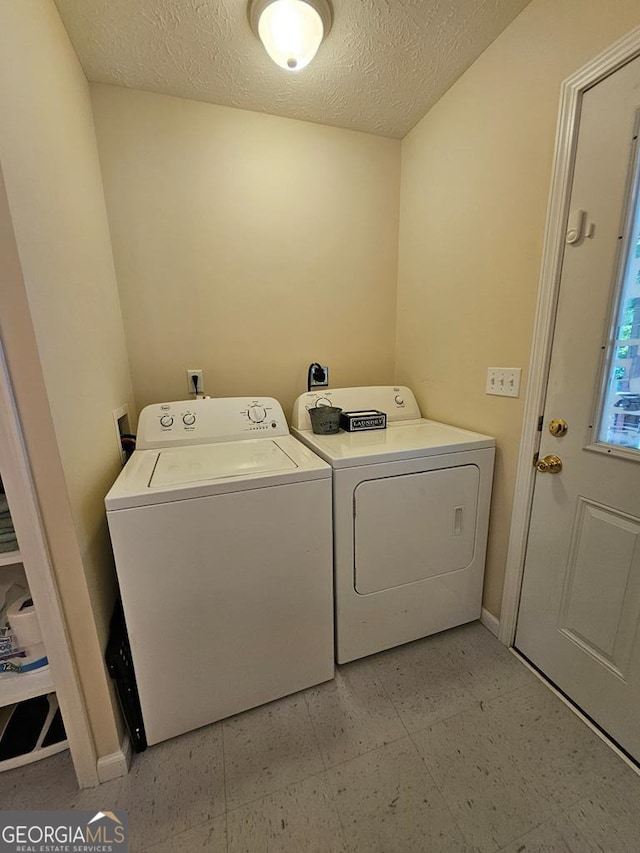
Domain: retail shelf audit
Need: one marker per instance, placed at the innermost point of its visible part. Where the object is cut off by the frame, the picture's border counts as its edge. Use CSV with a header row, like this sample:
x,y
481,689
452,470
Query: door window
x,y
620,413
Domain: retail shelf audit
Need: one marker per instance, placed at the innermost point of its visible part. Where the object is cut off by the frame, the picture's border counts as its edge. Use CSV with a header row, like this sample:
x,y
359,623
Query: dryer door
x,y
414,526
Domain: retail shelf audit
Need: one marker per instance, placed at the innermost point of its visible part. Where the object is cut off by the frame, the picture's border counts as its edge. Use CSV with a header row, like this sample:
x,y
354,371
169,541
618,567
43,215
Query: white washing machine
x,y
221,530
410,518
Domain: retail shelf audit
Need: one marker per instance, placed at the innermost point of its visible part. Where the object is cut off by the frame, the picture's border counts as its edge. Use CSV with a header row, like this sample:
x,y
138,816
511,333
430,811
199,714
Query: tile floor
x,y
447,745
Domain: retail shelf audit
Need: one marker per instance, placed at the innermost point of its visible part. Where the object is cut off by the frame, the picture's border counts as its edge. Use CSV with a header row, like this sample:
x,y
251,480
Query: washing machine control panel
x,y
210,420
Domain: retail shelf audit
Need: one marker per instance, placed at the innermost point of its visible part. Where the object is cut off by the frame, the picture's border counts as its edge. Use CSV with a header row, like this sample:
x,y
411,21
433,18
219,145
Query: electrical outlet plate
x,y
314,383
190,375
503,381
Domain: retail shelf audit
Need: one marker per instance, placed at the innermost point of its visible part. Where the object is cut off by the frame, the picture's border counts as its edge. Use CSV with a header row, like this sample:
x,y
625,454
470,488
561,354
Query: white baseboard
x,y
115,764
490,622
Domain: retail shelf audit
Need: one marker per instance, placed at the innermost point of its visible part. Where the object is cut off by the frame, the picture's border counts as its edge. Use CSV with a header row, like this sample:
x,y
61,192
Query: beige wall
x,y
475,181
248,245
68,307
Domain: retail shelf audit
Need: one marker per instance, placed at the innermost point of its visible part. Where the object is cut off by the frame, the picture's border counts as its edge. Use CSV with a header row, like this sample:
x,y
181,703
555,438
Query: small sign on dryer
x,y
363,420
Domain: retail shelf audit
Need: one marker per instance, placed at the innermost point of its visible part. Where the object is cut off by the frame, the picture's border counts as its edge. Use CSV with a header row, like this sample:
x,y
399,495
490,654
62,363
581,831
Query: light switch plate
x,y
504,381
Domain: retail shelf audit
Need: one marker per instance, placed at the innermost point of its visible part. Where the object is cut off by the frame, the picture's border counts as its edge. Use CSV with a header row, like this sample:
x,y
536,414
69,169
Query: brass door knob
x,y
549,465
558,427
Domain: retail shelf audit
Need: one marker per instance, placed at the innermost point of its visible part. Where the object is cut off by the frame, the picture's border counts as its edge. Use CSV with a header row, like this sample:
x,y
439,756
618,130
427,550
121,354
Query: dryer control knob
x,y
256,414
189,419
166,421
399,400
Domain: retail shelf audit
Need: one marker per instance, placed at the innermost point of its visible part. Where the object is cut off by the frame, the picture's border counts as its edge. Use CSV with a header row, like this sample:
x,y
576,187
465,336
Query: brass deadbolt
x,y
558,427
549,465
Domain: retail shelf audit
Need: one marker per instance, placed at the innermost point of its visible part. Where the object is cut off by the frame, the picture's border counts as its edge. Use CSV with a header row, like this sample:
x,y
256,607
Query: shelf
x,y
10,558
38,750
15,688
21,694
34,755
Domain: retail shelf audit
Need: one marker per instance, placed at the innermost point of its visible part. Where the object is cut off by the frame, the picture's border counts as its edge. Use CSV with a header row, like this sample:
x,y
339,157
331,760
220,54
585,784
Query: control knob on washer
x,y
189,419
166,421
256,414
399,400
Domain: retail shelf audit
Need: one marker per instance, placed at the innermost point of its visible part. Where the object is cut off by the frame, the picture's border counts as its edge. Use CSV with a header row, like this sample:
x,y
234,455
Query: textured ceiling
x,y
382,66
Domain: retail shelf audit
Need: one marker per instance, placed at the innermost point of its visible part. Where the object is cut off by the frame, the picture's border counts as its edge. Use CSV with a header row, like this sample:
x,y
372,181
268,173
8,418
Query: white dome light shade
x,y
291,32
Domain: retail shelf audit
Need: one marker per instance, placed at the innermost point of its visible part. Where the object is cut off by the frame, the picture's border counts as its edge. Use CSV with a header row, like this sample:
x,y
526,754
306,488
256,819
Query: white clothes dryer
x,y
221,530
410,519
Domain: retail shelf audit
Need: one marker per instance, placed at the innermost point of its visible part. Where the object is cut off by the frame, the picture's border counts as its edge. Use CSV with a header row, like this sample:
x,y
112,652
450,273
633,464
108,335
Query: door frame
x,y
571,94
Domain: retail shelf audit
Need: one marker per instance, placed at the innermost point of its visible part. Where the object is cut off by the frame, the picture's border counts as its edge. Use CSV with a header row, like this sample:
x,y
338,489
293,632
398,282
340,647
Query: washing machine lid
x,y
400,440
180,473
181,466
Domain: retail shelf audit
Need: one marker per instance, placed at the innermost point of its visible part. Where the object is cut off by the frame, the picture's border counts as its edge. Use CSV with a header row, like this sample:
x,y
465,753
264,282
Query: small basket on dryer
x,y
325,420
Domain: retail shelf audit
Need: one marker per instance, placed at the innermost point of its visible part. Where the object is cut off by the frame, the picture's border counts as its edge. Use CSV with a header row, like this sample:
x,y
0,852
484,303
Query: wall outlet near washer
x,y
191,385
503,381
317,381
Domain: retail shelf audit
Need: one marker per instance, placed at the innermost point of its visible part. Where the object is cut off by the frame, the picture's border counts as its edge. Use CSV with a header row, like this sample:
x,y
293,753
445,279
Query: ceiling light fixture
x,y
290,30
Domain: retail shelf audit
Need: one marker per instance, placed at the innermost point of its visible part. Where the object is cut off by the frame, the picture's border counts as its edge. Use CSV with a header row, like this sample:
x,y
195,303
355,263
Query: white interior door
x,y
580,606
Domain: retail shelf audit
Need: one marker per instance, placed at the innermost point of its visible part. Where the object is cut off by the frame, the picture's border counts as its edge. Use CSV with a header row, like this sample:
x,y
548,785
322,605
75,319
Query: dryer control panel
x,y
210,420
396,401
